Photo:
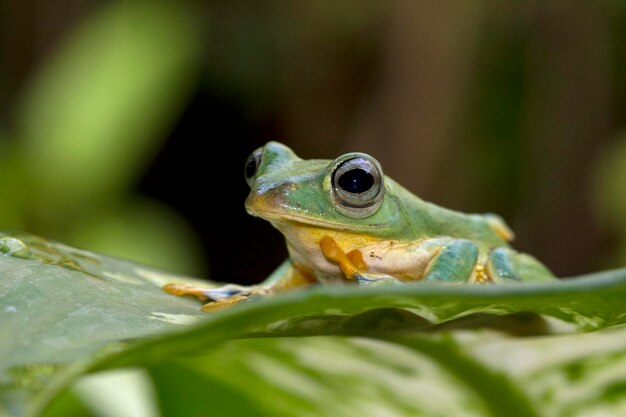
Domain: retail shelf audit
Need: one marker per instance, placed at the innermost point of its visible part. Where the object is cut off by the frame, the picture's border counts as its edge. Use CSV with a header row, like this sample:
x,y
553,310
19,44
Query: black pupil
x,y
356,181
251,168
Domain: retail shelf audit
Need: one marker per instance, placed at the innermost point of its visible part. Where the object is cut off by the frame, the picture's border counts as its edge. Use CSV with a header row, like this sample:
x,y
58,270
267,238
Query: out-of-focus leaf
x,y
89,121
569,375
69,405
142,230
15,187
125,393
203,393
460,373
328,376
609,197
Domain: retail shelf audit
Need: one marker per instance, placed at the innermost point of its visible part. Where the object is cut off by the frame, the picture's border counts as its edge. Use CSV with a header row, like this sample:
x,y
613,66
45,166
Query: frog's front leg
x,y
285,278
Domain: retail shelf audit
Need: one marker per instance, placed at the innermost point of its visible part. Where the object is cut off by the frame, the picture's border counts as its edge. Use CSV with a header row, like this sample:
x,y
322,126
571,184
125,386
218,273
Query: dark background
x,y
510,107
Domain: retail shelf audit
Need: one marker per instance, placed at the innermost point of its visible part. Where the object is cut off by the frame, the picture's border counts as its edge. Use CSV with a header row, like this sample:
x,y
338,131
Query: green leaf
x,y
331,376
421,349
65,305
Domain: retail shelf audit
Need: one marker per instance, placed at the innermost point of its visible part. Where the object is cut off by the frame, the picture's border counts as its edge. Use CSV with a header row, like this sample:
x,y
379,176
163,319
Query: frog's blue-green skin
x,y
378,235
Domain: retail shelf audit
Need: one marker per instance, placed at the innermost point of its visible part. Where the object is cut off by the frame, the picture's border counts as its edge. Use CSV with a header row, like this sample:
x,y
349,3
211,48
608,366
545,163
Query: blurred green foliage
x,y
89,123
492,106
609,198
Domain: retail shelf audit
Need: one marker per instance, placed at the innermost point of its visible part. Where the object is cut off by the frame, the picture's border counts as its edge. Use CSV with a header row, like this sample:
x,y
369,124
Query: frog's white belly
x,y
406,261
315,263
402,260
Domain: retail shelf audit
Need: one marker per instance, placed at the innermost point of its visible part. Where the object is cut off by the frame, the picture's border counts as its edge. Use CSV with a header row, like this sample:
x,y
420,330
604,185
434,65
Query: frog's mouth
x,y
281,218
295,219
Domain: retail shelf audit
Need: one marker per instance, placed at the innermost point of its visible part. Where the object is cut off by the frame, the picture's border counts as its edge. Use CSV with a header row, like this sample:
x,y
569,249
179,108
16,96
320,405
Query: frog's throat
x,y
288,218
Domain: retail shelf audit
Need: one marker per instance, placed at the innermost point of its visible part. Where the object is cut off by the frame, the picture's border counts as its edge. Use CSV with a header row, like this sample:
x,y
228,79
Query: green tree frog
x,y
345,222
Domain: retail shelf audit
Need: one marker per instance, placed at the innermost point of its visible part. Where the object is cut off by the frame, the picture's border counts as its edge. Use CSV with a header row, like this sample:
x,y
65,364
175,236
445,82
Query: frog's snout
x,y
269,198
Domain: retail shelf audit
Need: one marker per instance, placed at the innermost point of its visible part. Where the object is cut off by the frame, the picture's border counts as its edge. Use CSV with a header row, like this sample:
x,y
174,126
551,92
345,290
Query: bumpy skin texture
x,y
403,239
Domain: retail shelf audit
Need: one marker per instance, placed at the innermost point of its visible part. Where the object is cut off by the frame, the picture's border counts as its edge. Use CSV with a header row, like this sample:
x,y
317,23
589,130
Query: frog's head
x,y
348,194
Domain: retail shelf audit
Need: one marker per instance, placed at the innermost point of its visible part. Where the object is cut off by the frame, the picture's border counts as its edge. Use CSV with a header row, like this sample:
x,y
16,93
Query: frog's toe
x,y
224,292
376,280
232,294
224,303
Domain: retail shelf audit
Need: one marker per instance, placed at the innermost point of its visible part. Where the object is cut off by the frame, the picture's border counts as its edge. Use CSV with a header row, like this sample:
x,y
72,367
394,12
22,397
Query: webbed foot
x,y
218,298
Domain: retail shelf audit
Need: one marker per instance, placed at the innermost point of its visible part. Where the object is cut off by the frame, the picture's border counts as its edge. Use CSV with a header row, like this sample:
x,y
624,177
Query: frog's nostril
x,y
290,186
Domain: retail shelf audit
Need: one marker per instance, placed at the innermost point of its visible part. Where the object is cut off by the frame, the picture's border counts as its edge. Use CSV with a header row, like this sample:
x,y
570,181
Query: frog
x,y
346,223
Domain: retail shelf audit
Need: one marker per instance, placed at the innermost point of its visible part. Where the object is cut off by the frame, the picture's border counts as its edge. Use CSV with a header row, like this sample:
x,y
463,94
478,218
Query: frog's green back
x,y
425,220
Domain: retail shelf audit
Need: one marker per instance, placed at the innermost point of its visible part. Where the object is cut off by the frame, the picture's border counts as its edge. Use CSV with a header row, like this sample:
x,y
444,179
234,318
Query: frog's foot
x,y
353,266
223,303
219,297
229,295
205,294
507,265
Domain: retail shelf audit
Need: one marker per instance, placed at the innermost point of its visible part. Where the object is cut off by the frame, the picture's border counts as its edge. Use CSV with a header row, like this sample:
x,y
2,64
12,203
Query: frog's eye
x,y
252,165
358,185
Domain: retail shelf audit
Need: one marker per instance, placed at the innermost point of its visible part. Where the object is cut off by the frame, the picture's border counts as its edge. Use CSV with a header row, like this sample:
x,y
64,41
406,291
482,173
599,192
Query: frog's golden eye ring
x,y
252,165
357,185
